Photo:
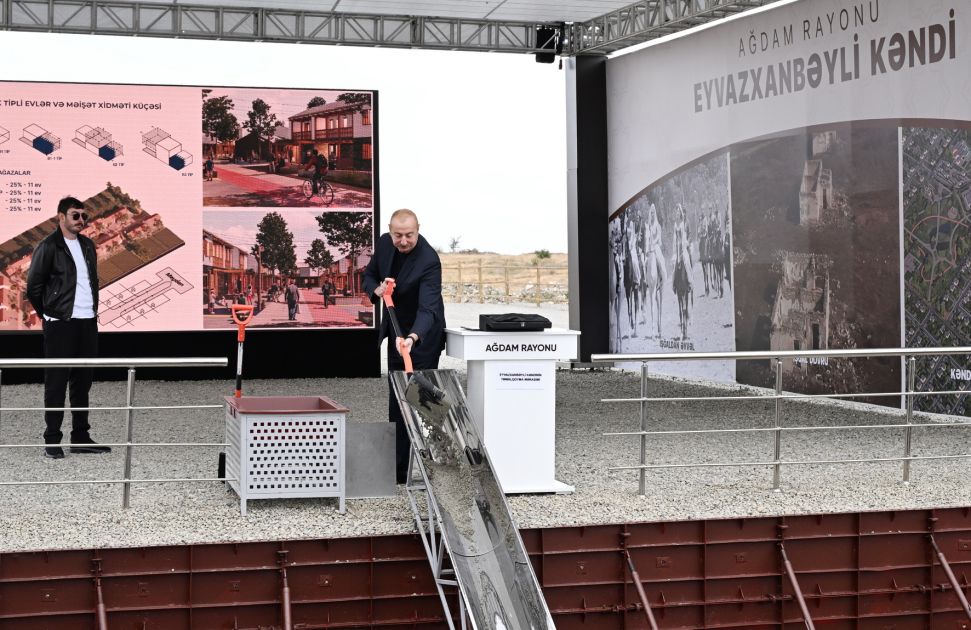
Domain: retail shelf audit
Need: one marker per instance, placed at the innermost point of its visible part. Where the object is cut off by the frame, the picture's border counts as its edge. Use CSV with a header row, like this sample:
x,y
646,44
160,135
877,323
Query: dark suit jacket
x,y
417,295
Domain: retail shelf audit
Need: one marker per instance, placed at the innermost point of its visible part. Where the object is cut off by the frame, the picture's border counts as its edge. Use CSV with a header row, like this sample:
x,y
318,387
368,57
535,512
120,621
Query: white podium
x,y
512,397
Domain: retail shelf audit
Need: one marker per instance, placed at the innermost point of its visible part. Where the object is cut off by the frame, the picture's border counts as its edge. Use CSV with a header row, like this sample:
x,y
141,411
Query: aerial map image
x,y
937,264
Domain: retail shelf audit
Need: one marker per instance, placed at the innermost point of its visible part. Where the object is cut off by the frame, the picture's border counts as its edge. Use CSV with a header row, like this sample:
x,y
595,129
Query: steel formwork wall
x,y
856,571
867,571
376,582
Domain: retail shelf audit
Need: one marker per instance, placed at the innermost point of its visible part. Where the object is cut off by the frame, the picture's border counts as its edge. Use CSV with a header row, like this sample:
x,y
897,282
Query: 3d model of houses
x,y
39,138
164,148
97,141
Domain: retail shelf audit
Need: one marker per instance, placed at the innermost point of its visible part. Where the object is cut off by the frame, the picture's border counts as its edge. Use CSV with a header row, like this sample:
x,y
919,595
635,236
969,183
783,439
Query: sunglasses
x,y
75,215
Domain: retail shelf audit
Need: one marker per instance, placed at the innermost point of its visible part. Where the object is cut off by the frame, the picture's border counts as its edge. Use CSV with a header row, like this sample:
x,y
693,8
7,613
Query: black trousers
x,y
68,339
403,442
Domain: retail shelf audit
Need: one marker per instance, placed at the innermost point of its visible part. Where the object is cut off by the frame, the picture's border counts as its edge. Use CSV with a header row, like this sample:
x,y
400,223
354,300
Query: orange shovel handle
x,y
242,314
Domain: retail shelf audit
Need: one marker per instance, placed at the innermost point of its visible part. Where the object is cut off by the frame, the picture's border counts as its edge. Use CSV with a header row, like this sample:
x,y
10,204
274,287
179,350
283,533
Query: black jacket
x,y
417,294
52,278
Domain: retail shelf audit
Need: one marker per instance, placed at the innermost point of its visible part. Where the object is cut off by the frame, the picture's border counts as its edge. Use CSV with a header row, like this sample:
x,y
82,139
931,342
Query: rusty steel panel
x,y
913,521
230,617
238,556
669,563
331,551
894,550
594,597
741,559
738,615
52,622
867,571
958,519
592,538
821,525
823,554
329,582
399,579
397,548
144,560
235,587
822,585
595,567
155,620
137,592
41,564
47,597
741,589
742,530
665,534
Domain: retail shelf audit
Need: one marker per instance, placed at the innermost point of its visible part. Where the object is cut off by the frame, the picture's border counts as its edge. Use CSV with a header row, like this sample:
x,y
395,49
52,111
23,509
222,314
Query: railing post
x,y
481,286
539,299
505,273
459,289
642,483
777,469
130,401
909,431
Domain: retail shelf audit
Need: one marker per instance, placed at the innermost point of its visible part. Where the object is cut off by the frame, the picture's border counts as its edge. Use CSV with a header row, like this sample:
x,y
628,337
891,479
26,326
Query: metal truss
x,y
268,24
633,24
646,20
429,525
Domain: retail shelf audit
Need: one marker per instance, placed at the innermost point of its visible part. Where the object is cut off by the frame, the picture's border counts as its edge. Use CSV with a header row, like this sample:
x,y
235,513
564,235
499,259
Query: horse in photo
x,y
681,282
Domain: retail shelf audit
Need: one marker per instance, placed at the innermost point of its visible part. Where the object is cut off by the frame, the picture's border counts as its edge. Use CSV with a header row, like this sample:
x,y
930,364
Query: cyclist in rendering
x,y
318,163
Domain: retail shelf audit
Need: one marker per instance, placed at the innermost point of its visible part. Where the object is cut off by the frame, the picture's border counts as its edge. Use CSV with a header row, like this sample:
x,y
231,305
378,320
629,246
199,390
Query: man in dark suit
x,y
404,255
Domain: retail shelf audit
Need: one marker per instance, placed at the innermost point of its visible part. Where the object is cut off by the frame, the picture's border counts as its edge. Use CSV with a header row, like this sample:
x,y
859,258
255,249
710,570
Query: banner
x,y
198,198
797,179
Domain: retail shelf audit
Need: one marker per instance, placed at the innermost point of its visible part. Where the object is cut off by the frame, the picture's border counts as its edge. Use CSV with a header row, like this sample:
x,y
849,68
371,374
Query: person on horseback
x,y
705,229
655,274
683,265
617,257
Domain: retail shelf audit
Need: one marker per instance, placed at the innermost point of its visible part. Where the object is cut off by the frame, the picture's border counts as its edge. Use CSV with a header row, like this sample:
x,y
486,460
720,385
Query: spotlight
x,y
548,39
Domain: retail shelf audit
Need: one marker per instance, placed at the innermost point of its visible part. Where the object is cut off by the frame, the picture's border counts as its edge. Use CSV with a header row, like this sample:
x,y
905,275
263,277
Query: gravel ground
x,y
83,516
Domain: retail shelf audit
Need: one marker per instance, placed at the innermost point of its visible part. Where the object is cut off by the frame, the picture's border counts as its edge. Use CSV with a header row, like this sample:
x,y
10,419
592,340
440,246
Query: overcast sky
x,y
472,142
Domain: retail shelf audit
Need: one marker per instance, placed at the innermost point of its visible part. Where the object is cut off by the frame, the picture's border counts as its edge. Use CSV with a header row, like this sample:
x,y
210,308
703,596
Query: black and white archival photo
x,y
671,269
818,255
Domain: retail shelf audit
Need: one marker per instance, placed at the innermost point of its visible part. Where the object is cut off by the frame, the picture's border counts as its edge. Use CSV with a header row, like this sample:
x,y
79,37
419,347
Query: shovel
x,y
242,315
421,393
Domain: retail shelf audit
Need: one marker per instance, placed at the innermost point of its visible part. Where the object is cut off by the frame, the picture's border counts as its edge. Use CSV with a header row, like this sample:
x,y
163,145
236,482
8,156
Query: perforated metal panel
x,y
294,450
294,454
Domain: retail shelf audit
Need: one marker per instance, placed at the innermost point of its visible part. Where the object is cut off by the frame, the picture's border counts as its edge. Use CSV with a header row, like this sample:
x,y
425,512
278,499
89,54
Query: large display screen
x,y
198,198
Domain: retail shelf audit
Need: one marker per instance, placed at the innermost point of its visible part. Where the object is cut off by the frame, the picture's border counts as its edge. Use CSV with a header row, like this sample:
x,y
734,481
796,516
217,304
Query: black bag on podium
x,y
510,322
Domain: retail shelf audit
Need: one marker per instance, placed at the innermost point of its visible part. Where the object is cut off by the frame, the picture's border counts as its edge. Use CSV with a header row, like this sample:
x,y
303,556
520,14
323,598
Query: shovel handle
x,y
399,338
389,303
242,314
405,354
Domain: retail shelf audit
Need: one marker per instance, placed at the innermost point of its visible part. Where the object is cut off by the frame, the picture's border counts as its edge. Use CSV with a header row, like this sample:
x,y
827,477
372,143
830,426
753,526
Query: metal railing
x,y
777,358
129,408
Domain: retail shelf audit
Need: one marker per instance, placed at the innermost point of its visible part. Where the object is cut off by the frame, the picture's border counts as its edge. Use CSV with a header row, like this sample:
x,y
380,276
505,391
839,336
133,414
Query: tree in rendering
x,y
349,232
218,120
277,243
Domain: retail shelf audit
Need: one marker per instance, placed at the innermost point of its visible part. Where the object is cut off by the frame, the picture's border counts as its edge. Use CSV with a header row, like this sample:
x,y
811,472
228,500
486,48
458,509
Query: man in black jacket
x,y
405,256
62,285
